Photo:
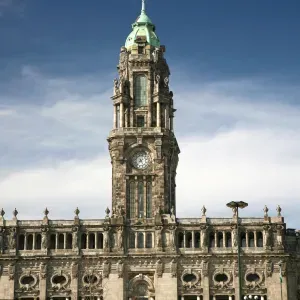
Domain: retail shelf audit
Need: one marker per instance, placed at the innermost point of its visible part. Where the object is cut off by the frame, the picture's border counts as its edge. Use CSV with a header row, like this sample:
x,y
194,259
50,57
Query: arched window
x,y
29,242
149,200
140,240
220,239
21,242
149,240
141,199
250,239
132,200
132,240
69,241
52,241
212,240
83,241
180,240
228,240
91,241
38,242
259,241
61,241
197,240
100,240
188,237
140,90
243,239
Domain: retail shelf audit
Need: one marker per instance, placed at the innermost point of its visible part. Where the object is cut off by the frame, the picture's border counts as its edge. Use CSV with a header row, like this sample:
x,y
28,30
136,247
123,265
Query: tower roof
x,y
144,29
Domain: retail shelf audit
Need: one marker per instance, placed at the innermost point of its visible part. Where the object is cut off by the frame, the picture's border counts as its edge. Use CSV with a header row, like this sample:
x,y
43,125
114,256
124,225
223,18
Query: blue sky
x,y
235,76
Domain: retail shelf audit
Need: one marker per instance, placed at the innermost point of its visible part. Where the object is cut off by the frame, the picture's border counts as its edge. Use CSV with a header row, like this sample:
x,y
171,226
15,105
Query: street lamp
x,y
236,205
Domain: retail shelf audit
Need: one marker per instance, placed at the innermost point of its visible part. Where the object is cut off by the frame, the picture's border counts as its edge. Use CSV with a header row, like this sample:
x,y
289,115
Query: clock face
x,y
141,160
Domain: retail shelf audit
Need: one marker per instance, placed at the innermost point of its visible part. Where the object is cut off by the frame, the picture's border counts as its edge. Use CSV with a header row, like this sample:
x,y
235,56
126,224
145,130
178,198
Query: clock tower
x,y
143,147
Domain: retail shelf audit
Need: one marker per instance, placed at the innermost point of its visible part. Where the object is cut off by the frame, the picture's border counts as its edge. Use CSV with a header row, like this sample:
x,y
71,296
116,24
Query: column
x,y
158,116
33,241
56,241
153,240
255,237
145,234
135,240
136,199
193,239
167,117
198,297
230,298
25,241
145,197
214,298
96,240
184,240
262,298
216,239
182,297
121,115
247,239
65,240
115,117
224,239
87,240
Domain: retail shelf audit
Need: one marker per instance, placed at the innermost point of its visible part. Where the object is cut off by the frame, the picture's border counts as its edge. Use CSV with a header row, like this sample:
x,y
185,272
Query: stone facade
x,y
141,250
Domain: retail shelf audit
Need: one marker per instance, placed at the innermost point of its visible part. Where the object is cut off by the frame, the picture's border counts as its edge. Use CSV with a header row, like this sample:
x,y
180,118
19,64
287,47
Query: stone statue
x,y
234,210
266,211
172,238
105,240
1,240
116,87
158,238
278,211
120,238
234,238
203,210
204,237
75,241
157,82
166,82
155,55
12,239
268,236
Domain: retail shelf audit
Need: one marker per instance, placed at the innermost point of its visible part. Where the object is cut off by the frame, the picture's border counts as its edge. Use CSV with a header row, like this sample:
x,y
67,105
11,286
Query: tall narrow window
x,y
140,121
118,116
141,199
149,200
140,90
132,200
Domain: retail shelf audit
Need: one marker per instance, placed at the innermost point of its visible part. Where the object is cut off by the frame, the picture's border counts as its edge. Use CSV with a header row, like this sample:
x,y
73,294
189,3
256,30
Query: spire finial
x,y
143,6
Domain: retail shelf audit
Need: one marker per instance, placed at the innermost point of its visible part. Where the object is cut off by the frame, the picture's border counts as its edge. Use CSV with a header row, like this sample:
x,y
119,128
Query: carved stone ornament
x,y
74,270
28,281
45,238
159,268
205,268
43,270
120,238
235,268
158,236
269,268
268,236
59,280
204,233
222,279
12,239
120,268
106,269
190,279
234,236
254,279
75,238
173,268
11,271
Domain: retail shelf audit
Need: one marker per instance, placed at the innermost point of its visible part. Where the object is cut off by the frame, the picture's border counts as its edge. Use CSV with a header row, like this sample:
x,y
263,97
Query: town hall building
x,y
140,250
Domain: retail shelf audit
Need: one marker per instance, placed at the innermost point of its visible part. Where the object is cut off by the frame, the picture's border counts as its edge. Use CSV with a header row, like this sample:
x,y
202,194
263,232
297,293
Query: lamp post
x,y
236,205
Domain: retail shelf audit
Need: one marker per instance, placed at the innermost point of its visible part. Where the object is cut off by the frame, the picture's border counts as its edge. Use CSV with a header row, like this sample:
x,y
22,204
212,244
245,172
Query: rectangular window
x,y
140,50
140,90
140,121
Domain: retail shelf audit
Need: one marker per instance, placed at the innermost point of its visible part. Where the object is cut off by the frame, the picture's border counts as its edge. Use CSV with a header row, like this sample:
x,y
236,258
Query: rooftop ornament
x,y
15,213
77,212
278,209
2,212
266,211
204,210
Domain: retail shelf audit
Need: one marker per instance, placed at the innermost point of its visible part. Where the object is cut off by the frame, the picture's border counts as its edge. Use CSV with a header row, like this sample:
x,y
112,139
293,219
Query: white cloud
x,y
235,146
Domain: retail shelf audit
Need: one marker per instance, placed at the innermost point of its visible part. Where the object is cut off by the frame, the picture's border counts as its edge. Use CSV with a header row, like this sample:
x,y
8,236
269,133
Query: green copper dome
x,y
143,28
